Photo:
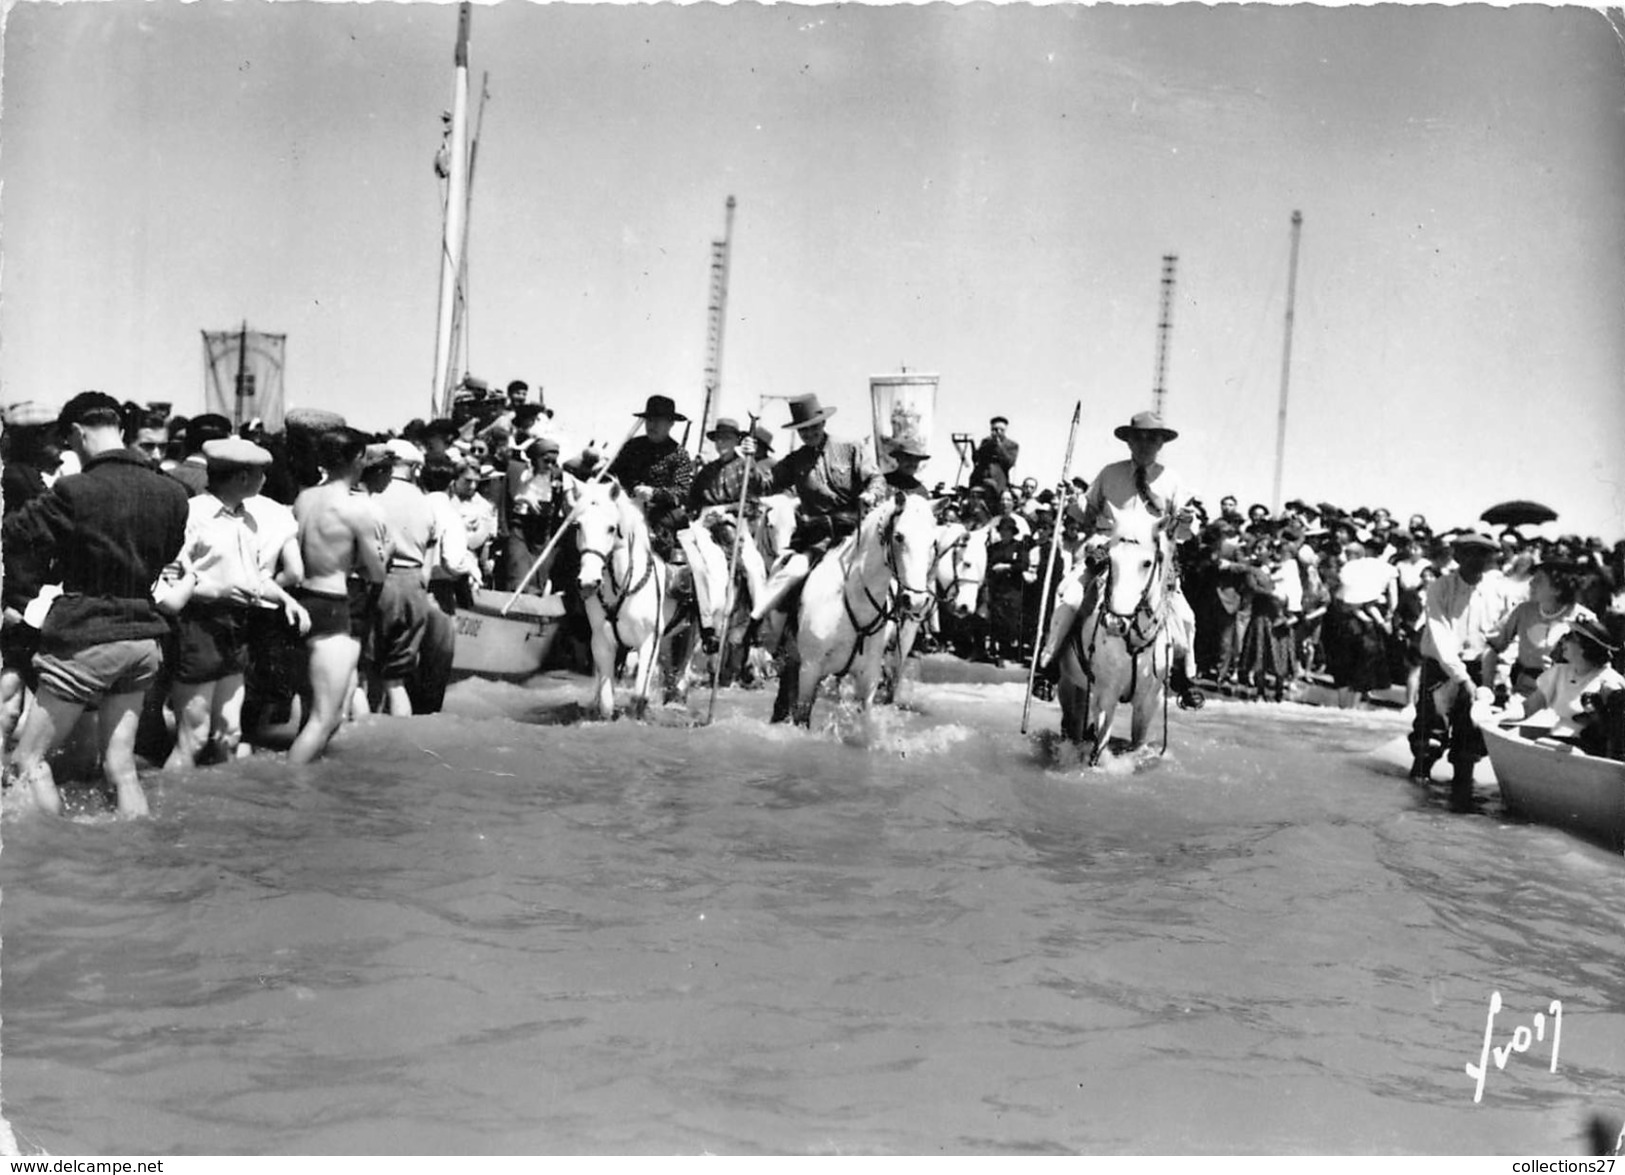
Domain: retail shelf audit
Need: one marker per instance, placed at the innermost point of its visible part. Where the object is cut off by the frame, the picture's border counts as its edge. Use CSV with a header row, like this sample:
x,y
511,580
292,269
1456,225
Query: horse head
x,y
960,566
600,516
1136,569
908,530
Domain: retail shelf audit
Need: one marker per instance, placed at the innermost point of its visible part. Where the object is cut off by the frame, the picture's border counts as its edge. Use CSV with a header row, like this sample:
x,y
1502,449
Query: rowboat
x,y
1557,784
508,647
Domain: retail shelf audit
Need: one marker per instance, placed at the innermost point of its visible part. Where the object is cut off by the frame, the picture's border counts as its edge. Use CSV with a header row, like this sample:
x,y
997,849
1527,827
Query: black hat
x,y
518,385
1592,631
806,411
661,408
440,427
909,447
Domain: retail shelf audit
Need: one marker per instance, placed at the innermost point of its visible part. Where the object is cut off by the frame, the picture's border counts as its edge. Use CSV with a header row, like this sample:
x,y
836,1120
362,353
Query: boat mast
x,y
717,320
1165,326
451,247
460,328
1286,360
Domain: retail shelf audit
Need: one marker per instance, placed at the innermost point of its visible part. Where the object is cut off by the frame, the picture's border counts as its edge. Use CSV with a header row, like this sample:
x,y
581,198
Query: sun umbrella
x,y
1518,513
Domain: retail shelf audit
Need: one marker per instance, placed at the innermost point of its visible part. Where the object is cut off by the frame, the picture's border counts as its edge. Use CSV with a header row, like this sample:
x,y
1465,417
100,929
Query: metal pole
x,y
1165,325
242,363
1049,567
721,259
1286,360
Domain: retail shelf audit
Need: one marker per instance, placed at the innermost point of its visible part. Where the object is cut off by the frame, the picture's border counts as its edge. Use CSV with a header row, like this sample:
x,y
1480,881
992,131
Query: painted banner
x,y
242,376
904,409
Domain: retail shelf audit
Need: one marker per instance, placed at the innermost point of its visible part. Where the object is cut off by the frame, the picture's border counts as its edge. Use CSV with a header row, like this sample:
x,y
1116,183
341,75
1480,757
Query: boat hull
x,y
506,648
1559,785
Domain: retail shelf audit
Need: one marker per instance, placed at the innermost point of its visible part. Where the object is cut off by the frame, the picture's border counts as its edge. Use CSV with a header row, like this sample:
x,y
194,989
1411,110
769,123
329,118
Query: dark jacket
x,y
992,463
111,529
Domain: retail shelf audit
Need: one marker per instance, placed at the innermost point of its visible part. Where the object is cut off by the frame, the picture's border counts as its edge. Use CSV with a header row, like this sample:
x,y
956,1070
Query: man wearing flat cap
x,y
109,530
216,584
193,470
1461,613
412,631
1145,487
658,473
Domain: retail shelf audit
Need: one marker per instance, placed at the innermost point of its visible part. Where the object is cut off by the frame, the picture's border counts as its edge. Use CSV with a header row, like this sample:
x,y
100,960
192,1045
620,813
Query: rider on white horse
x,y
657,472
1137,486
834,482
713,503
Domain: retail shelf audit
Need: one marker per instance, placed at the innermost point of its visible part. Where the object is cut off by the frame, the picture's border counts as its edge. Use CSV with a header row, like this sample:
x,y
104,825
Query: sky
x,y
981,192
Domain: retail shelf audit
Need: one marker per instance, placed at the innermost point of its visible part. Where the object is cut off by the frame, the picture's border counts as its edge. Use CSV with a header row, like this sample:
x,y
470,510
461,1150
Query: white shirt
x,y
1365,581
1562,686
1461,618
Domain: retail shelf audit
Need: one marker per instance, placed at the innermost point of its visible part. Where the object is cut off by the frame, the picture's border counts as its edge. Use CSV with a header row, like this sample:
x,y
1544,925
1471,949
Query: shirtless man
x,y
340,534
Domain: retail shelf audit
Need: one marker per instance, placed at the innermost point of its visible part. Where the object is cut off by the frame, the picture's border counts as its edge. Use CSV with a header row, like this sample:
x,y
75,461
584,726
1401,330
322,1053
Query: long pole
x,y
733,568
547,550
1049,566
1286,360
242,371
451,244
721,259
1165,326
460,328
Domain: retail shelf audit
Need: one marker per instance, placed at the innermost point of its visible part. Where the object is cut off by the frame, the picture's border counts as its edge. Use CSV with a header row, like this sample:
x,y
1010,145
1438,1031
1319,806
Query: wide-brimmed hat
x,y
764,438
661,408
1472,540
725,424
1143,423
806,411
1592,630
908,447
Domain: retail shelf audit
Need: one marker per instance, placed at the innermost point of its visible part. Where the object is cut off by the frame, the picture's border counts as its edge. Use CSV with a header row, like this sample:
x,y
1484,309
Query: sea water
x,y
505,930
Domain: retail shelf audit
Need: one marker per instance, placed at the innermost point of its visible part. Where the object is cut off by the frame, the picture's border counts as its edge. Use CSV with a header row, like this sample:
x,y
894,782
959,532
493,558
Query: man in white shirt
x,y
219,578
1462,612
1139,486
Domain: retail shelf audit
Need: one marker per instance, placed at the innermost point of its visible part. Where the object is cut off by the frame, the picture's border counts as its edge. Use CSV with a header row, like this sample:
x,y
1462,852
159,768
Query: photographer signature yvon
x,y
1524,1037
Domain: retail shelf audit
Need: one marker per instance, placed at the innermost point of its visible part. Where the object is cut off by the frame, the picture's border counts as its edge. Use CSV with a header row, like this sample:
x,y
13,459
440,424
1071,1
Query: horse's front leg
x,y
603,665
869,669
648,667
1102,709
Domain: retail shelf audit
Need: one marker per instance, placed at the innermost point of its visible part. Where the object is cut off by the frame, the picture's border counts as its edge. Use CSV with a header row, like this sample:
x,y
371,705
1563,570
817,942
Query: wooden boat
x,y
506,648
1560,785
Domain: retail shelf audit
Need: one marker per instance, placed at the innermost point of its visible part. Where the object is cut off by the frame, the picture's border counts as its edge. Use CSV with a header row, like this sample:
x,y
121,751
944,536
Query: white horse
x,y
1120,649
959,567
851,602
775,523
623,583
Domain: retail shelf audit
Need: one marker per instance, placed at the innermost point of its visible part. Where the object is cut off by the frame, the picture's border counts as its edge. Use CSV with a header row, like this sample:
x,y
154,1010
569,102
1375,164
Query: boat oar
x,y
1049,566
733,570
547,550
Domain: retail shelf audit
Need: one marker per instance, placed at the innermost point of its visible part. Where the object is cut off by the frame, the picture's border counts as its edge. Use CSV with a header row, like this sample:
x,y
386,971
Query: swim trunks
x,y
329,614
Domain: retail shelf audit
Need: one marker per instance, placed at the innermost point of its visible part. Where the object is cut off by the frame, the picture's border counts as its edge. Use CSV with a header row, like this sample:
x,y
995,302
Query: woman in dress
x,y
1522,650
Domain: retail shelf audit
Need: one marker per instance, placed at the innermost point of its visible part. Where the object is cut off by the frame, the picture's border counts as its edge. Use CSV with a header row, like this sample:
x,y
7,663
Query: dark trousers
x,y
1451,735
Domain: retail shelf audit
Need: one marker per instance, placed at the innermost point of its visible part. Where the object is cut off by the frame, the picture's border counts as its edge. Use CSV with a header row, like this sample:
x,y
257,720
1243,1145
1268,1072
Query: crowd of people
x,y
200,587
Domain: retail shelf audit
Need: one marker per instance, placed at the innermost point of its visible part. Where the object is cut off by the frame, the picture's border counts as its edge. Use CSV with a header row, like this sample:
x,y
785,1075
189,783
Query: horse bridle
x,y
954,584
1127,624
612,607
